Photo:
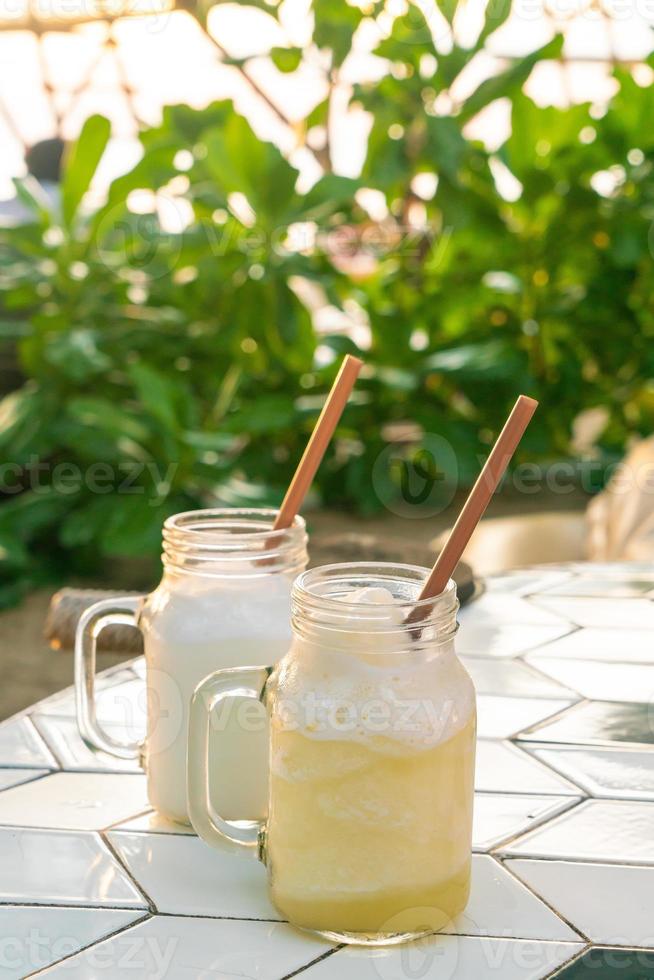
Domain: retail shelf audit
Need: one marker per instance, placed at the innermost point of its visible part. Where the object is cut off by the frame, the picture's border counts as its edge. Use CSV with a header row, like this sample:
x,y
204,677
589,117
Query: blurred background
x,y
205,206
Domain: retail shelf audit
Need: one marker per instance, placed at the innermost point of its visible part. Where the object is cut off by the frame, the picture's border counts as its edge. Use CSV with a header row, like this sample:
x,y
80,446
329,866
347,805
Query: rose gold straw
x,y
478,500
320,438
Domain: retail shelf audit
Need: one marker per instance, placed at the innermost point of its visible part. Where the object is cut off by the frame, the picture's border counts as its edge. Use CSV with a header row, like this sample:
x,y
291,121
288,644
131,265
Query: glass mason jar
x,y
223,601
372,749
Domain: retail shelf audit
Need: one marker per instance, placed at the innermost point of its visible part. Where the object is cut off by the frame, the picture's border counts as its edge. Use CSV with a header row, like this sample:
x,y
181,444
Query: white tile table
x,y
93,884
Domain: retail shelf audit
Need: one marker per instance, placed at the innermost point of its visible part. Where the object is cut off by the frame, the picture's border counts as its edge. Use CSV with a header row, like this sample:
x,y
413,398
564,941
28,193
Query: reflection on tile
x,y
447,958
608,772
13,777
21,745
498,818
502,717
623,613
188,949
625,586
596,964
585,894
496,609
502,639
624,645
152,822
503,768
57,867
598,830
612,569
598,723
63,702
513,678
527,581
602,681
182,875
38,936
74,801
120,700
64,739
500,906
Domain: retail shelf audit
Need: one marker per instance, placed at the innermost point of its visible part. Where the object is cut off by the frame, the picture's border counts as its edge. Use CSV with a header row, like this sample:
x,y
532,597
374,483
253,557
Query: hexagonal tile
x,y
503,768
57,867
601,681
182,948
63,737
499,717
74,801
14,777
618,613
585,894
33,937
597,723
504,640
500,906
513,678
498,817
447,958
625,645
21,745
181,874
612,773
599,830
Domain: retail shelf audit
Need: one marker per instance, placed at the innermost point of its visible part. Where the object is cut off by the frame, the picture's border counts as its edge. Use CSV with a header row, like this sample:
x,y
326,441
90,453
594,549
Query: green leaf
x,y
32,512
105,416
13,554
497,12
82,163
508,82
238,161
29,191
77,354
134,523
448,9
335,23
286,59
157,394
493,359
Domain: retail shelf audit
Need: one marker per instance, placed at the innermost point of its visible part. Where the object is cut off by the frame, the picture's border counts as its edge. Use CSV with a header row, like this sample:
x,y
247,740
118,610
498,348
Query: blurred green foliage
x,y
167,333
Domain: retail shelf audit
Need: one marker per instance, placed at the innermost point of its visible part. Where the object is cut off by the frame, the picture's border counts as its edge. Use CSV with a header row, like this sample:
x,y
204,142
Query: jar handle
x,y
234,682
108,612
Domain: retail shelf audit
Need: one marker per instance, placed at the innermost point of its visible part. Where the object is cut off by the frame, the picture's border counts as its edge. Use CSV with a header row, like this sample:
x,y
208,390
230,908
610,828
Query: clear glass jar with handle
x,y
223,601
368,835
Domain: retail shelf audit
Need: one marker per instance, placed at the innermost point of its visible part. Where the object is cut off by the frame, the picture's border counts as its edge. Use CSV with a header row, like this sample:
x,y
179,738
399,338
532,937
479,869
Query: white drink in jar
x,y
224,601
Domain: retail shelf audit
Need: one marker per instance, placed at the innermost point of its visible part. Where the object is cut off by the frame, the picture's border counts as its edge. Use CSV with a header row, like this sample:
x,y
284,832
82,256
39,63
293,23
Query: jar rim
x,y
351,571
319,602
233,540
196,525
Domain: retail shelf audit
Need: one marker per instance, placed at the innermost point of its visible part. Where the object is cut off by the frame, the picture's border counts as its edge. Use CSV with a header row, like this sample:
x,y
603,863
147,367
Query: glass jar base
x,y
368,938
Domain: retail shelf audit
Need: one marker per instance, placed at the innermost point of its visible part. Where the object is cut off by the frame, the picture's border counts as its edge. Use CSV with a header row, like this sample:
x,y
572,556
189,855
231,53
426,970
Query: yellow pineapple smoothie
x,y
372,773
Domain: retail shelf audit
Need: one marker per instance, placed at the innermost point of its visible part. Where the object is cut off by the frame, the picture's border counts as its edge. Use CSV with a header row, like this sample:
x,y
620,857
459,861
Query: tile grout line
x,y
528,755
550,718
318,959
53,752
557,913
117,932
538,824
560,970
122,864
33,779
541,673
